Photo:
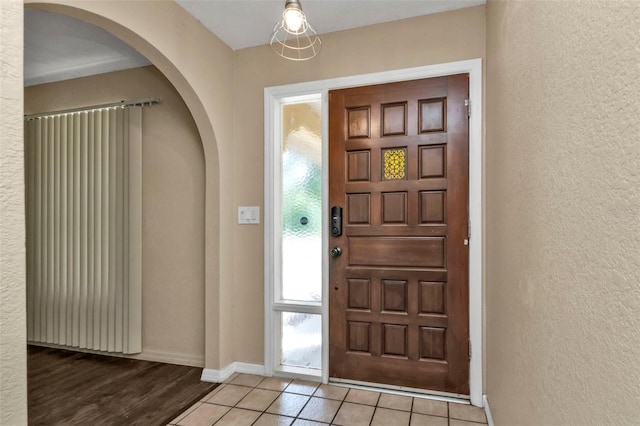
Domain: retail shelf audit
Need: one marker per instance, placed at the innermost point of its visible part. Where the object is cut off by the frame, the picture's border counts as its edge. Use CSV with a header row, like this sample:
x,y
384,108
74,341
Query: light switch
x,y
248,214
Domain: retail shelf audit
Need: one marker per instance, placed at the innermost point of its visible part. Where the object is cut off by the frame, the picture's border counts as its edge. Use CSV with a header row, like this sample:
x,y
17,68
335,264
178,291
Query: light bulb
x,y
293,19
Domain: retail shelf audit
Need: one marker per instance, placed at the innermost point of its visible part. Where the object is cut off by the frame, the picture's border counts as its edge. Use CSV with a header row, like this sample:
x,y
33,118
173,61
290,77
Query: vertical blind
x,y
83,207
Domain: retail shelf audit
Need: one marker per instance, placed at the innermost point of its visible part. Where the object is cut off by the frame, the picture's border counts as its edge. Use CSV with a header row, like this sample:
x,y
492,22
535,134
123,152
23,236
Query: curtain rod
x,y
138,102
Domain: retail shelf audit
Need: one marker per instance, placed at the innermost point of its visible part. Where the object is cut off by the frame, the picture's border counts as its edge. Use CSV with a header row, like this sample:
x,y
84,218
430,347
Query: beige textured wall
x,y
13,365
172,204
433,39
563,212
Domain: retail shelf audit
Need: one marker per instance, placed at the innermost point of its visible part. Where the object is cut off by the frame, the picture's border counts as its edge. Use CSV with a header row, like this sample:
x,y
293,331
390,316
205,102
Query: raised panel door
x,y
398,303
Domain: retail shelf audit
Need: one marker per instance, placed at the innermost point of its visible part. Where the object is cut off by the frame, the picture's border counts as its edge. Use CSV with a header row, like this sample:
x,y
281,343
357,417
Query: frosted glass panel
x,y
301,340
301,202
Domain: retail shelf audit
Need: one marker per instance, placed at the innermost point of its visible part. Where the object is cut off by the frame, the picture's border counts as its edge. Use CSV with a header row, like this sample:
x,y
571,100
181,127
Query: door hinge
x,y
469,350
467,103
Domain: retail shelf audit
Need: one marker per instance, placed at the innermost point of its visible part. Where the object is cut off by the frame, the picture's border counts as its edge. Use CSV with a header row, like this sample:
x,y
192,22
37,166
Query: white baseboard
x,y
246,368
487,410
218,376
168,358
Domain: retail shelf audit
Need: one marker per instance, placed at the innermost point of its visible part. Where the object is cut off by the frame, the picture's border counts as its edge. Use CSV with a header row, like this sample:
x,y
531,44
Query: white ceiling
x,y
246,23
59,47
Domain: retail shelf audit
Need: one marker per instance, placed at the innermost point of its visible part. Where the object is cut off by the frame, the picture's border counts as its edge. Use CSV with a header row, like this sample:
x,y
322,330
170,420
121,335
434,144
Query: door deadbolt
x,y
335,252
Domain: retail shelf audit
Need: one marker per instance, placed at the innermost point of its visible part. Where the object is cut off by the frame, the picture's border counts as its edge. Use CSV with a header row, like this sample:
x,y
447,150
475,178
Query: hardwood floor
x,y
75,388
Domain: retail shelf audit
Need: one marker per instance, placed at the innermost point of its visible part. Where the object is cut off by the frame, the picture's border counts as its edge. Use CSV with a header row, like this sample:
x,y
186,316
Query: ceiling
x,y
246,23
59,47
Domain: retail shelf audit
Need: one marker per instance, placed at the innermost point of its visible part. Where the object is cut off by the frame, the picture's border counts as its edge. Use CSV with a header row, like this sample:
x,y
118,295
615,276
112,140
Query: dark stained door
x,y
398,166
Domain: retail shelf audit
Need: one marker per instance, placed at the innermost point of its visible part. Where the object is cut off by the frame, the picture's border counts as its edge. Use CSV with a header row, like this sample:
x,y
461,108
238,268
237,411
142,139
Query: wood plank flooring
x,y
75,388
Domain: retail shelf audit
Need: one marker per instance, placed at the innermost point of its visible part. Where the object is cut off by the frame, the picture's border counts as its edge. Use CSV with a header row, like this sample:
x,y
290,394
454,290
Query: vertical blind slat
x,y
29,158
64,230
44,165
120,219
62,237
76,230
50,283
111,345
53,242
125,237
45,230
69,234
97,253
84,225
56,229
37,250
27,170
104,261
90,228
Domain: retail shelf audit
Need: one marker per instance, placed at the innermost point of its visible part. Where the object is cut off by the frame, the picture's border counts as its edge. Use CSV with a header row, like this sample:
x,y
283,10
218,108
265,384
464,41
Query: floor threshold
x,y
402,391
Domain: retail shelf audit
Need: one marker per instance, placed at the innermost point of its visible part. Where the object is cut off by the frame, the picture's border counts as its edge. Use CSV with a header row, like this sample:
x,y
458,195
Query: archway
x,y
165,34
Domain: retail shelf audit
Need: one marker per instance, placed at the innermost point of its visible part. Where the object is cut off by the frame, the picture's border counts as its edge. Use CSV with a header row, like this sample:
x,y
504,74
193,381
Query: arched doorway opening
x,y
162,32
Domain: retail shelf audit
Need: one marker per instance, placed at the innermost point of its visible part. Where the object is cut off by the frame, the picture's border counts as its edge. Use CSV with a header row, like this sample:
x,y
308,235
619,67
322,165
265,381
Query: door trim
x,y
274,96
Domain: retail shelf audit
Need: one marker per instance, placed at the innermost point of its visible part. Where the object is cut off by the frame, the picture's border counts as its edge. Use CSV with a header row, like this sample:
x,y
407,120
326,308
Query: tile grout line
x,y
297,416
339,407
375,408
261,414
413,400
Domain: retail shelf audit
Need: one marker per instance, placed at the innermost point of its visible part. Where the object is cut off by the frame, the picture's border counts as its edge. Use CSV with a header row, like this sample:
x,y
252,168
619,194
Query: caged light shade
x,y
293,37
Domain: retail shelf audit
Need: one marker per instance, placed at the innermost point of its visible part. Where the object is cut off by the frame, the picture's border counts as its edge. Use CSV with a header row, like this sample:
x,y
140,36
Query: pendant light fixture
x,y
293,38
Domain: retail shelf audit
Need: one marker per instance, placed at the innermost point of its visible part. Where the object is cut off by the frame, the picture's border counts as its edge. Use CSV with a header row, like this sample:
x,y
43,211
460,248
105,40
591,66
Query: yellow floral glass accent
x,y
394,164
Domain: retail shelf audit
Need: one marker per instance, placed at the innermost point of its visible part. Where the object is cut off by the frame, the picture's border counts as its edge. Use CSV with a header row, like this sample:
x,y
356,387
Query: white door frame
x,y
273,98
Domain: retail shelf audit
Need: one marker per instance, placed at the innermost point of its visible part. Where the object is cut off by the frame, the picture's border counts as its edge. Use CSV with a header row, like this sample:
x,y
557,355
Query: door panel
x,y
398,165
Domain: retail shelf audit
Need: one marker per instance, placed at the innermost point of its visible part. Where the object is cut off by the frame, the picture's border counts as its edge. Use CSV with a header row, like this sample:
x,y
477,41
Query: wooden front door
x,y
398,167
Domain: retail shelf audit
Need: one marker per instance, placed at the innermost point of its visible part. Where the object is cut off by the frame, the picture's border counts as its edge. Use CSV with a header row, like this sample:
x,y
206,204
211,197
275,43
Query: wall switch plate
x,y
248,214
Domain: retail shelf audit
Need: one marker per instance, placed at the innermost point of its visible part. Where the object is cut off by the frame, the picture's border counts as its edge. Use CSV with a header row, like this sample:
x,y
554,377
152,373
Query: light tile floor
x,y
268,401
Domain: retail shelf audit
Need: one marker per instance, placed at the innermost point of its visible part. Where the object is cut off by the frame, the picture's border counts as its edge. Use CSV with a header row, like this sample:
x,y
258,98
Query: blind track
x,y
122,104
